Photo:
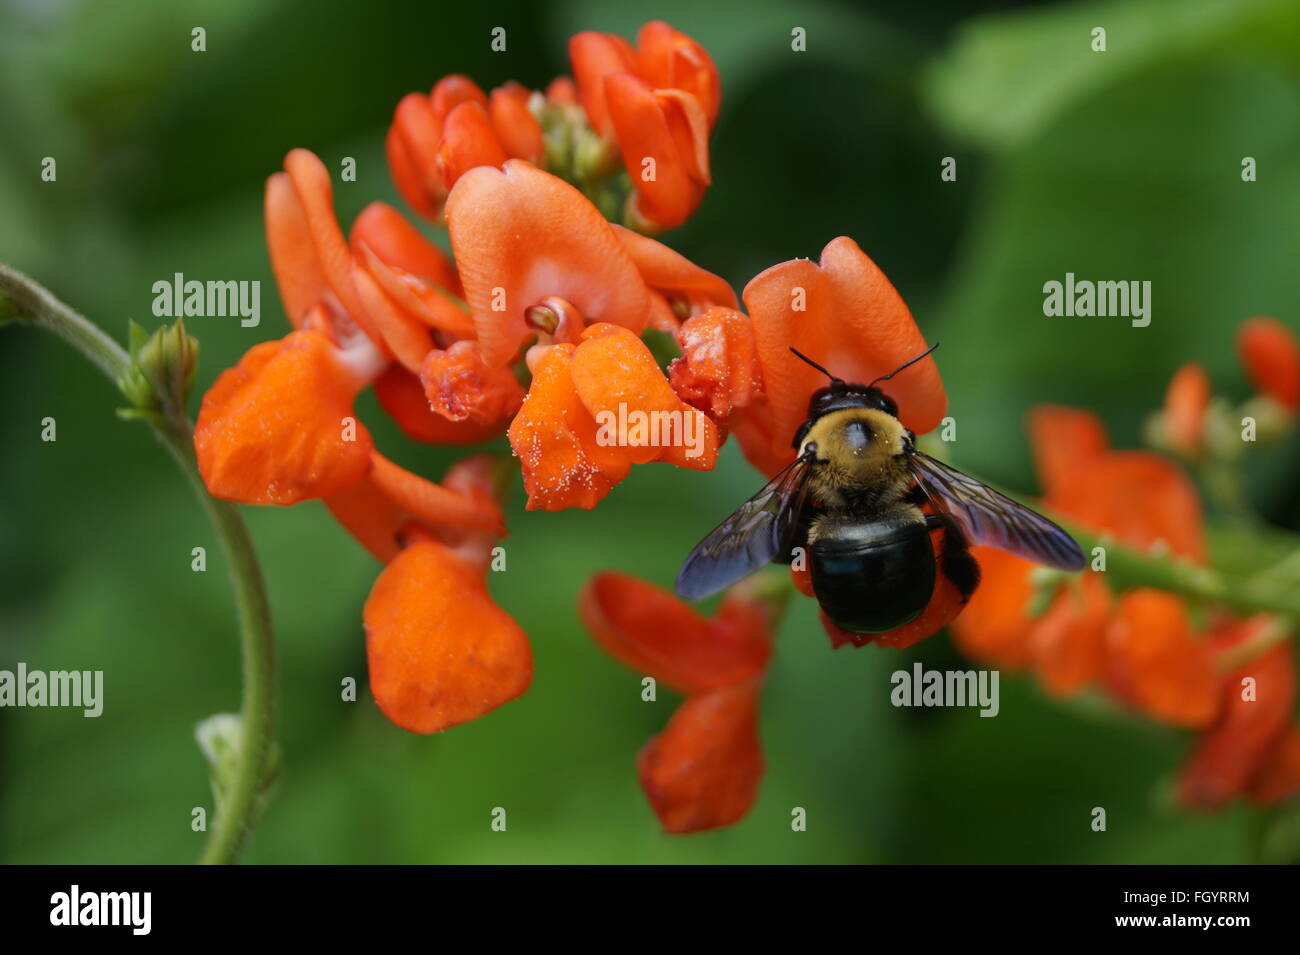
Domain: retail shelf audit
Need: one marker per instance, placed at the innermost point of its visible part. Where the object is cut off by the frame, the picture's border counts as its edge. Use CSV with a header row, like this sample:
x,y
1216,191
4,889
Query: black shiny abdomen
x,y
871,577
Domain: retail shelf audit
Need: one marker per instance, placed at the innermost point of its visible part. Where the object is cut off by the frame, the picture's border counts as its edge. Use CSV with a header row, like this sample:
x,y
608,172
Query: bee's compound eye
x,y
858,435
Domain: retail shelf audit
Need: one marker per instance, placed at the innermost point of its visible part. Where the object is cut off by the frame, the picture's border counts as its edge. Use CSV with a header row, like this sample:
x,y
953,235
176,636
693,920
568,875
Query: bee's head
x,y
841,395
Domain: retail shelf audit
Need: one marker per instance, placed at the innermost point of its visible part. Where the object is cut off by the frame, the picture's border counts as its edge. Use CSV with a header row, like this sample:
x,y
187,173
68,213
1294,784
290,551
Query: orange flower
x,y
460,387
1249,737
1067,647
843,313
1163,667
593,410
650,630
521,235
440,651
1278,779
703,770
436,139
659,103
1186,401
407,285
278,428
403,397
1142,500
1271,354
718,371
309,256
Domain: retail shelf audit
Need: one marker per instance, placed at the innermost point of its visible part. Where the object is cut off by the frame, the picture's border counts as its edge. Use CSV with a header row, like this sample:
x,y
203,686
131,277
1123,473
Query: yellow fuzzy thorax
x,y
848,467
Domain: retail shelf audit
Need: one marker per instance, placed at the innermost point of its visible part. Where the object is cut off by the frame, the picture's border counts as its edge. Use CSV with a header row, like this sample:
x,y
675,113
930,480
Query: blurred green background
x,y
1122,165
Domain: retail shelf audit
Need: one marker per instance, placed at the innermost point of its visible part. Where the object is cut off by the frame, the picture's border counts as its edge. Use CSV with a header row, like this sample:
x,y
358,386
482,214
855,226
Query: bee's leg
x,y
916,495
955,560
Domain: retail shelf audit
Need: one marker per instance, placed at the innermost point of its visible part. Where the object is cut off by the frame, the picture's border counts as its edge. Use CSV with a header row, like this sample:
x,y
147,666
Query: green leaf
x,y
979,89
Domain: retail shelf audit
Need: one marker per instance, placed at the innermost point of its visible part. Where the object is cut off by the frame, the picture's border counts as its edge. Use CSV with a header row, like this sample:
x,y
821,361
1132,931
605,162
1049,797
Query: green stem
x,y
1187,579
24,300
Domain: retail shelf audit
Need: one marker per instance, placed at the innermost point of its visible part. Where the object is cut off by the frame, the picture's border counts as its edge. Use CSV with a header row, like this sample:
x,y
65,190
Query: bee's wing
x,y
987,517
749,538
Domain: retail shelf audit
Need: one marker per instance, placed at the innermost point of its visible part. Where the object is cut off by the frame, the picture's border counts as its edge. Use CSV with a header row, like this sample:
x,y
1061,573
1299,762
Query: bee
x,y
851,504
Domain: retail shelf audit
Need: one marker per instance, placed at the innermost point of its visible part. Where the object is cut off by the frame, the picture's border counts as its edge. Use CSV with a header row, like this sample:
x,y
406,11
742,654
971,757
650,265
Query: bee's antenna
x,y
910,361
805,358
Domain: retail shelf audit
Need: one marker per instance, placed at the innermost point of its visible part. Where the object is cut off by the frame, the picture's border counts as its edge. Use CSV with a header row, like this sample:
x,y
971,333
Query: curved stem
x,y
33,304
1189,580
24,300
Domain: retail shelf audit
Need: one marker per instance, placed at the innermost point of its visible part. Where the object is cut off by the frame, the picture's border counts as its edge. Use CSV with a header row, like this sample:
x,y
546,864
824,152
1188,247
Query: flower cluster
x,y
537,327
536,268
703,770
1228,677
542,288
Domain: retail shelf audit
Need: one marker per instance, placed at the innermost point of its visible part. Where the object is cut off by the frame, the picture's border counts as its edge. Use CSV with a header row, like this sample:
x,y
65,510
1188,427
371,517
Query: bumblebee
x,y
851,504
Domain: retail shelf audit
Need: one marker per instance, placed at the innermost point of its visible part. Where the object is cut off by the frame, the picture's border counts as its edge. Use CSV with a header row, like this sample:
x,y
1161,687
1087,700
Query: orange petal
x,y
554,437
1063,440
370,517
593,55
995,625
516,126
690,131
1278,780
450,91
412,151
562,89
670,189
392,237
651,631
802,578
718,371
1169,671
440,651
1140,497
1271,354
669,59
703,771
432,503
401,394
460,387
1068,643
406,336
468,141
279,428
670,272
618,380
293,257
311,182
1242,740
1186,401
520,235
844,314
416,301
